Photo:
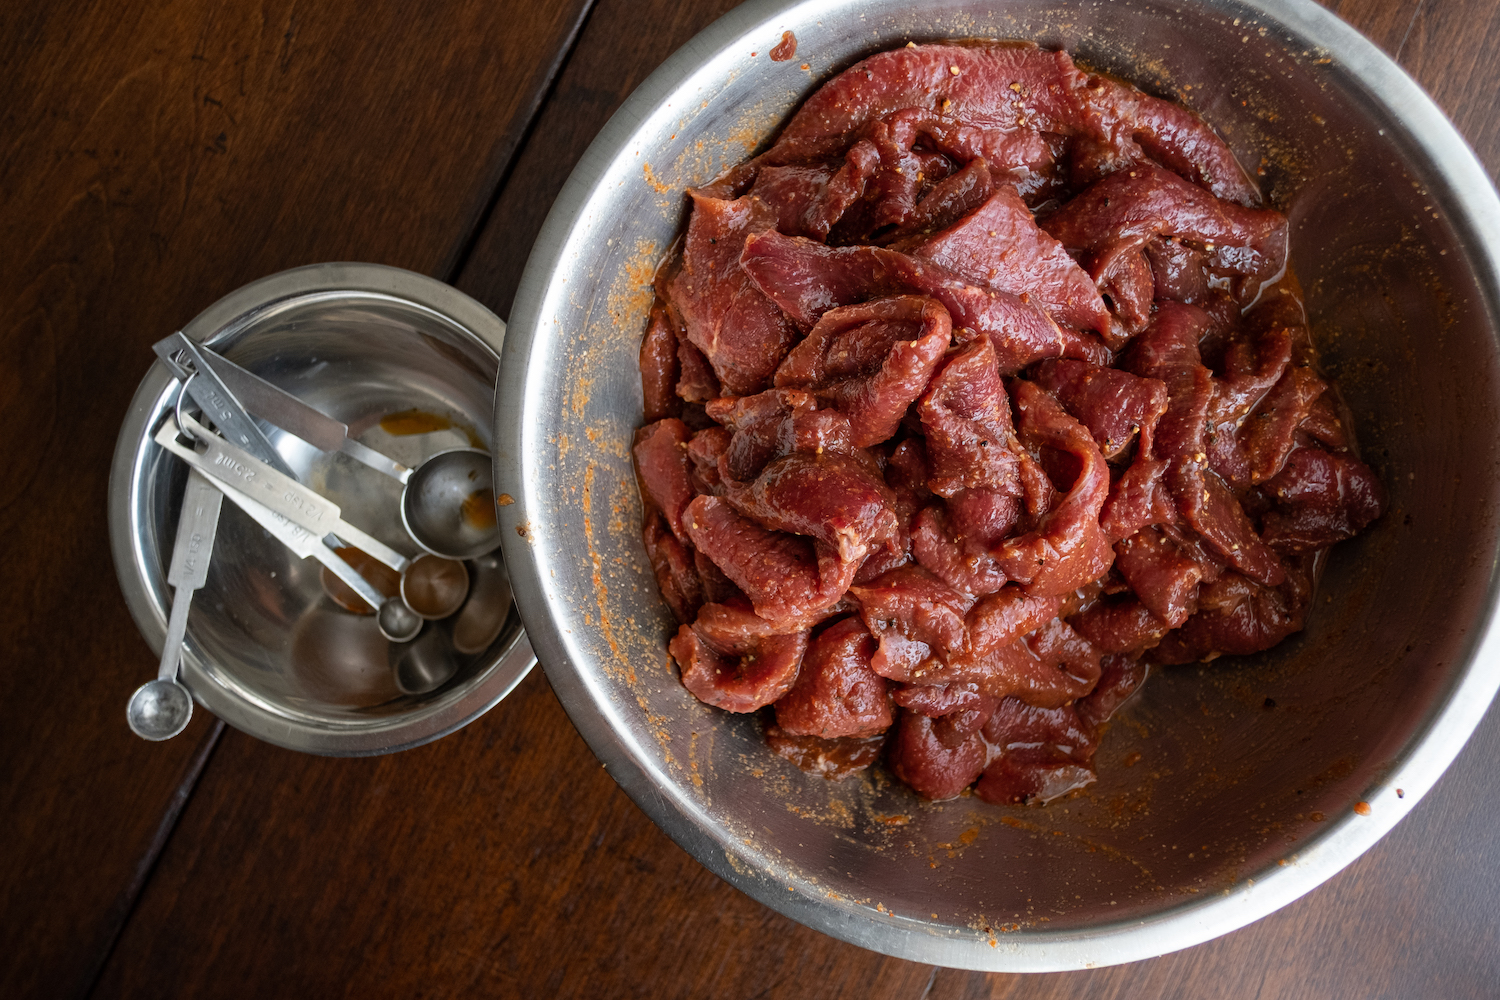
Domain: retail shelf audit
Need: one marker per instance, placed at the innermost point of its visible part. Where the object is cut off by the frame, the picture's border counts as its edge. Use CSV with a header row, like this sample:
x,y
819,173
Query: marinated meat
x,y
787,577
979,392
734,660
1321,498
1114,405
829,498
965,416
933,769
1068,548
1036,753
806,279
954,539
660,368
1123,212
836,693
916,619
661,462
871,361
1000,245
741,332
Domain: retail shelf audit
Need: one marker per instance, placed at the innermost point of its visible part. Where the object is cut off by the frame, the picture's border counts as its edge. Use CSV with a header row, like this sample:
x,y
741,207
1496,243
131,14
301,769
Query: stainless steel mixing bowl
x,y
1256,779
266,650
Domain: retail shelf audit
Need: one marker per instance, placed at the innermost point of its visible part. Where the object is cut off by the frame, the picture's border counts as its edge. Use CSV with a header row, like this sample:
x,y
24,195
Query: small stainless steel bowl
x,y
1244,795
266,650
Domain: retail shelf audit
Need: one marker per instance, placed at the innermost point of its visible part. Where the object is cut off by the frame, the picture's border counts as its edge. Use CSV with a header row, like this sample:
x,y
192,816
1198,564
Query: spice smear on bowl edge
x,y
980,392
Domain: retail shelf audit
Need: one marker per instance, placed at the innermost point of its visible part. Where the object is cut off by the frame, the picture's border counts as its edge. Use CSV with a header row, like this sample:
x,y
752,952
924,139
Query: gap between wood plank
x,y
1416,13
510,145
516,139
126,903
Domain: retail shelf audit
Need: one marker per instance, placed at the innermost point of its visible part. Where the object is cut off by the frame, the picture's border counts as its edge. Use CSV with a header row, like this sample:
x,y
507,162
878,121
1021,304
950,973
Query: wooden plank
x,y
152,158
620,48
1449,51
1387,23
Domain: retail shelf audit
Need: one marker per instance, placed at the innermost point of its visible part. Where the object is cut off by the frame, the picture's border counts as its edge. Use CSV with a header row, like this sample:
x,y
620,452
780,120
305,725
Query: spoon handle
x,y
302,543
219,402
188,570
227,464
274,404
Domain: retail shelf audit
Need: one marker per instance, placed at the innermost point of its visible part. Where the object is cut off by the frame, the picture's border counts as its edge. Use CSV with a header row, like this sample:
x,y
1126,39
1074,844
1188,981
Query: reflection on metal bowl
x,y
409,364
1226,790
342,659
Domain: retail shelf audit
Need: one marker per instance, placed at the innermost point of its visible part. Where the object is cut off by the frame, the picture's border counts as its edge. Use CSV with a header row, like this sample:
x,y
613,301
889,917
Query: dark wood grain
x,y
1450,52
153,158
1387,23
502,860
623,43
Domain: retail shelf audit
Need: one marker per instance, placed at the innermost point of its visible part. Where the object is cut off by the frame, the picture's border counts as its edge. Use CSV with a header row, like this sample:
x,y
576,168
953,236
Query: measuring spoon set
x,y
240,463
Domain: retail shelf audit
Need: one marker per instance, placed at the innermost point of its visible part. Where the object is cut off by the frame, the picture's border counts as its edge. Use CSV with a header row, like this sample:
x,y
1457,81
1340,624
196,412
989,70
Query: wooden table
x,y
156,156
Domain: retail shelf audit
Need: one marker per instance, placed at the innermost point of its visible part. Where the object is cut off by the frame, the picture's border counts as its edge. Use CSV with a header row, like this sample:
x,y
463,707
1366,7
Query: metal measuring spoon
x,y
448,505
434,587
161,709
394,619
209,389
431,588
300,504
427,663
397,622
447,502
488,606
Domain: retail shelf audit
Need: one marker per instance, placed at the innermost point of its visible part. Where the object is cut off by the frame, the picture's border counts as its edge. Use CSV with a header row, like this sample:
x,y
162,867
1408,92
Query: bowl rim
x,y
1473,211
484,330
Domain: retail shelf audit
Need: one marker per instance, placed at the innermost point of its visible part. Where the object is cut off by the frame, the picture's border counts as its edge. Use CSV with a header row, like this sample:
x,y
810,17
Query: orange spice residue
x,y
479,509
409,422
651,178
385,580
504,500
786,48
1363,808
630,296
605,622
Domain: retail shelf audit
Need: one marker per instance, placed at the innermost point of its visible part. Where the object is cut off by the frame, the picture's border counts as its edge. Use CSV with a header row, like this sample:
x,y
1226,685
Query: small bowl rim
x,y
381,735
